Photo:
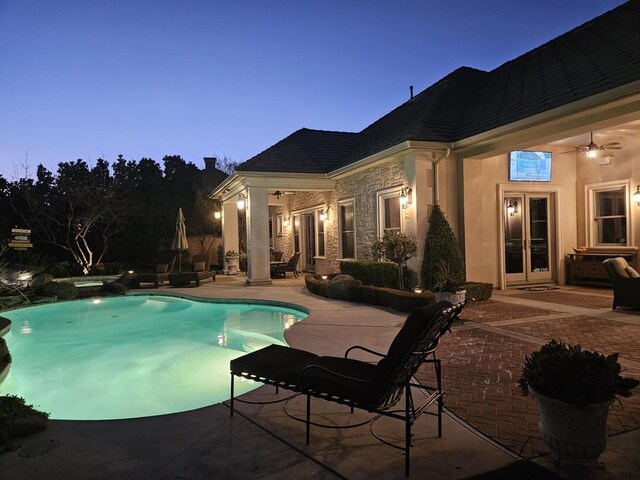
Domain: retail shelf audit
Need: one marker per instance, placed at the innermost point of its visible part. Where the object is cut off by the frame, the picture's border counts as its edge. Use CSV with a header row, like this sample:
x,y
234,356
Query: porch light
x,y
240,201
593,151
511,208
323,215
285,222
405,197
636,196
217,214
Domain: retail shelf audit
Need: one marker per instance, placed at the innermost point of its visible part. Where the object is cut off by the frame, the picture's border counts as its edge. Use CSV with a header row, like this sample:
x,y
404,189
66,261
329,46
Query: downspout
x,y
436,182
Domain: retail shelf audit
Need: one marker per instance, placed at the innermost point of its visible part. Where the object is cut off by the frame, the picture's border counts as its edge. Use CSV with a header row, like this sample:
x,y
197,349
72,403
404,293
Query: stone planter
x,y
572,433
232,265
457,297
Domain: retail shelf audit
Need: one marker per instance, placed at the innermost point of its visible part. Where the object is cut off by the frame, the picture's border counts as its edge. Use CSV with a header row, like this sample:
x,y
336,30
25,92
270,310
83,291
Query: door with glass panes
x,y
527,233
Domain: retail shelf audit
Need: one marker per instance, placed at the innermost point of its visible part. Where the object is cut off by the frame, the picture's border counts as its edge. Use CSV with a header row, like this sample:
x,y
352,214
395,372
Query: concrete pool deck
x,y
261,442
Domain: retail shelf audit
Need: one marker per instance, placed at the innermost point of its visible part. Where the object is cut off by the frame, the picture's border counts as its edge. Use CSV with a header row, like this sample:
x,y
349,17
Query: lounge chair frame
x,y
401,381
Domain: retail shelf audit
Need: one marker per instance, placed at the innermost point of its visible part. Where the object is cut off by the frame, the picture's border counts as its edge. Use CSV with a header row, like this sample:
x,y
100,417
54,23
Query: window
x,y
389,211
320,231
347,230
608,206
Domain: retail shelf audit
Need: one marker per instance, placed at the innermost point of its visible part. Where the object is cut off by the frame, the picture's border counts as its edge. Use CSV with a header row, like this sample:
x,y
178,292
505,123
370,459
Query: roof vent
x,y
411,91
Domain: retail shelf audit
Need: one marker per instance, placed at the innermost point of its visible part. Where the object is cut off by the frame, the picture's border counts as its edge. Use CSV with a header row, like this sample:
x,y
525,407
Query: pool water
x,y
134,356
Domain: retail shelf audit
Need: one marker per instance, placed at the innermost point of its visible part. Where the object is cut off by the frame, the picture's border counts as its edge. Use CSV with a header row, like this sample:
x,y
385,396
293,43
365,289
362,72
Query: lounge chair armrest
x,y
368,350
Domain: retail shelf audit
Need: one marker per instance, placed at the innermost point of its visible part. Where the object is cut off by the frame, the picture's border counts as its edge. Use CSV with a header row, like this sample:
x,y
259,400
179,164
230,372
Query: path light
x,y
417,290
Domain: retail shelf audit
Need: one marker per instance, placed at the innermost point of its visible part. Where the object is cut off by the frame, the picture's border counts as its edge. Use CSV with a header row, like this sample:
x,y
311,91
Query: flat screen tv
x,y
528,166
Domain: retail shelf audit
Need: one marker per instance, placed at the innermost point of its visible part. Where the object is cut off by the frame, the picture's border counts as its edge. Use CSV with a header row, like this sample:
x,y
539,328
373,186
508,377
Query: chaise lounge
x,y
199,270
375,388
626,282
160,273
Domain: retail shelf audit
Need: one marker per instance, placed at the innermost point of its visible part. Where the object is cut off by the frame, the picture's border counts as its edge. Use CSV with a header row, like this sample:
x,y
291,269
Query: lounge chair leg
x,y
407,431
308,417
231,401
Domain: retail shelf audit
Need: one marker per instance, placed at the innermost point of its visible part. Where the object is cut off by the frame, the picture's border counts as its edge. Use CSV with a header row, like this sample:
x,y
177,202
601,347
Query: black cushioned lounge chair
x,y
375,388
200,270
626,282
160,273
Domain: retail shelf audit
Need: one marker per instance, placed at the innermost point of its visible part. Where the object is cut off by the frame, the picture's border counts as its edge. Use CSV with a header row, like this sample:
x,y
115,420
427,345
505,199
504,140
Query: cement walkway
x,y
262,442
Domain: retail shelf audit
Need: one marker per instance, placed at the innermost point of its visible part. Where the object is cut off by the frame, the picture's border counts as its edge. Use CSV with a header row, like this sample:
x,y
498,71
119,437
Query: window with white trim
x,y
608,214
347,229
389,211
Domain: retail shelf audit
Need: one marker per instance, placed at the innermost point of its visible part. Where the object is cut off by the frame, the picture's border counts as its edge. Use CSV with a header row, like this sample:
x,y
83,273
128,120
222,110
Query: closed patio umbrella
x,y
180,239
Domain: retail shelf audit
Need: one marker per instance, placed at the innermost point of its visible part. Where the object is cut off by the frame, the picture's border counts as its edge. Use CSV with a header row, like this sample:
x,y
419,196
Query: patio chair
x,y
160,273
290,266
626,282
374,387
200,270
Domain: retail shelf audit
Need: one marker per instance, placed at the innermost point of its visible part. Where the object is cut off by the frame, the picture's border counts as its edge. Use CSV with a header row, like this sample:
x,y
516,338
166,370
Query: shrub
x,y
17,419
379,274
64,269
61,290
396,247
390,297
478,290
316,285
114,287
342,287
441,244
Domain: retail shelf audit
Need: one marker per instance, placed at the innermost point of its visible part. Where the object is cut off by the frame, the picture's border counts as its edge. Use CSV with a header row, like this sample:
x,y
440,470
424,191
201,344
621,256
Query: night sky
x,y
147,78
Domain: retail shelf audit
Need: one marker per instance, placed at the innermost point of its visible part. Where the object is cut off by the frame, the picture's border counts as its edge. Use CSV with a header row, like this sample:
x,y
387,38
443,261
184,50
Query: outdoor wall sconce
x,y
405,197
512,208
217,214
285,222
636,196
323,215
240,201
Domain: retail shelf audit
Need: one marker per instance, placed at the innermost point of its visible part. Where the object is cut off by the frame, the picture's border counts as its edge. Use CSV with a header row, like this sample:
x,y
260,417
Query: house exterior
x,y
330,194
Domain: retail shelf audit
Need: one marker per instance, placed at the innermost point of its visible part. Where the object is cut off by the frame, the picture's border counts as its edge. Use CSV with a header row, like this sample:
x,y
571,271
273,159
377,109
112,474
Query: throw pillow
x,y
162,268
198,266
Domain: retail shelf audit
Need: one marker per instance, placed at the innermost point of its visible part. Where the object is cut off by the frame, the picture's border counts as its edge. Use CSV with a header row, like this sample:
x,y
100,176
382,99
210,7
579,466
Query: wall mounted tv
x,y
528,166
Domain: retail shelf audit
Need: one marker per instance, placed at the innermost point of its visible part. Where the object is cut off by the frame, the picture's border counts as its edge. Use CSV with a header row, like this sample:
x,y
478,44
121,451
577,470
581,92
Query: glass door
x,y
526,238
309,225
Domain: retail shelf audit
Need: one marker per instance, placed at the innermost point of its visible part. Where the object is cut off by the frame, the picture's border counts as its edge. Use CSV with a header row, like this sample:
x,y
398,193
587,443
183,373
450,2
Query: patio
x,y
488,423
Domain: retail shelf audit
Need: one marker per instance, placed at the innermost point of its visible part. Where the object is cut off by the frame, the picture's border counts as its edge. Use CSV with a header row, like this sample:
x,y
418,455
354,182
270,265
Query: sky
x,y
89,79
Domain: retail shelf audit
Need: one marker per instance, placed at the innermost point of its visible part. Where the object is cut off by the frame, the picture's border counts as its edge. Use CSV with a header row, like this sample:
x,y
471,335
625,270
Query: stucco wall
x,y
482,179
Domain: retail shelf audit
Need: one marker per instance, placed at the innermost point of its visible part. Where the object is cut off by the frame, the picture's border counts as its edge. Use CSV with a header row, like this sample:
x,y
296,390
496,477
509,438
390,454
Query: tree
x,y
396,247
441,246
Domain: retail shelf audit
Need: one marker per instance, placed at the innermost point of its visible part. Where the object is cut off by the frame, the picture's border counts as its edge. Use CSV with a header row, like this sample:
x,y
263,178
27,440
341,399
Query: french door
x,y
527,231
309,225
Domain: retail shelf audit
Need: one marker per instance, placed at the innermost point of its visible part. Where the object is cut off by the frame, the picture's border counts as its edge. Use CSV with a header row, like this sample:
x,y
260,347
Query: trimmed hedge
x,y
18,419
378,274
385,297
478,290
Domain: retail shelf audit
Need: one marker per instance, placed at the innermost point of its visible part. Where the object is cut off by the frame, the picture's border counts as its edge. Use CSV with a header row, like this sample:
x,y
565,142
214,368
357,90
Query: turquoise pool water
x,y
134,356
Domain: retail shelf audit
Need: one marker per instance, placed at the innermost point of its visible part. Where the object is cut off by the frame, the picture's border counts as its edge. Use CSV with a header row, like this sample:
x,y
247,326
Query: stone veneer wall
x,y
362,187
284,243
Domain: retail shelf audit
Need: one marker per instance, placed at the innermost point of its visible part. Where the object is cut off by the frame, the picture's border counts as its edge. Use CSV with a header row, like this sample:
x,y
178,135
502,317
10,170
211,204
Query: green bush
x,y
478,290
378,274
64,269
61,290
386,297
441,245
17,419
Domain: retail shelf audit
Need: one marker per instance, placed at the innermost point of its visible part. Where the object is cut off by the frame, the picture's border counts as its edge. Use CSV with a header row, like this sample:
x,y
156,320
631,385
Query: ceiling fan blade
x,y
568,151
612,147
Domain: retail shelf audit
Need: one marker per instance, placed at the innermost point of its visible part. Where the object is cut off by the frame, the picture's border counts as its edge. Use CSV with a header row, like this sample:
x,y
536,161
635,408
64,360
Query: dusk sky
x,y
148,78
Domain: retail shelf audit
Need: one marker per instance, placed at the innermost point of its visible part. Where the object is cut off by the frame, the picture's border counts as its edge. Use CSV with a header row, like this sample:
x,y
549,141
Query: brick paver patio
x,y
483,355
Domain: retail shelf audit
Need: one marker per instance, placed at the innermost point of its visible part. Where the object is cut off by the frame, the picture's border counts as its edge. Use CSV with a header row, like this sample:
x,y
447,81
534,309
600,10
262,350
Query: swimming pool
x,y
134,356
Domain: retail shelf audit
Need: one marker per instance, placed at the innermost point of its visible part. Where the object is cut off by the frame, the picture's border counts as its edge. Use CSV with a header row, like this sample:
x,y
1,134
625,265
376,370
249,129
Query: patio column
x,y
258,255
229,229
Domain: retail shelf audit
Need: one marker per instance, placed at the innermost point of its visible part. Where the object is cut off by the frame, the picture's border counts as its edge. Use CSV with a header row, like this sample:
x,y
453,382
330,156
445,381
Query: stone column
x,y
258,255
229,229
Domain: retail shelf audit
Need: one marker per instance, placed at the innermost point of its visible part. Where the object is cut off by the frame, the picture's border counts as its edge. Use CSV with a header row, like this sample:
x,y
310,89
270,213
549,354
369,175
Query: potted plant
x,y
447,286
573,389
233,259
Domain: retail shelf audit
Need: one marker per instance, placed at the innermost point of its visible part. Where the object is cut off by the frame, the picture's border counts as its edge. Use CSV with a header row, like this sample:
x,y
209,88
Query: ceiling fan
x,y
279,193
593,150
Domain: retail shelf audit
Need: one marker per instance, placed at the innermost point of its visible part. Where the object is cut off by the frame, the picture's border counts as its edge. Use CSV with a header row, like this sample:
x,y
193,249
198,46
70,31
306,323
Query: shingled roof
x,y
600,55
304,151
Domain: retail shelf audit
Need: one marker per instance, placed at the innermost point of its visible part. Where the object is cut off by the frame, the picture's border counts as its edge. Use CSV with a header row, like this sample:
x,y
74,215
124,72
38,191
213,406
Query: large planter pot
x,y
457,297
572,433
232,265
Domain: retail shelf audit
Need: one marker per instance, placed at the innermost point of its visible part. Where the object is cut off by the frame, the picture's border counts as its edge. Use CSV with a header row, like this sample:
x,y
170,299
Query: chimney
x,y
210,163
411,91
